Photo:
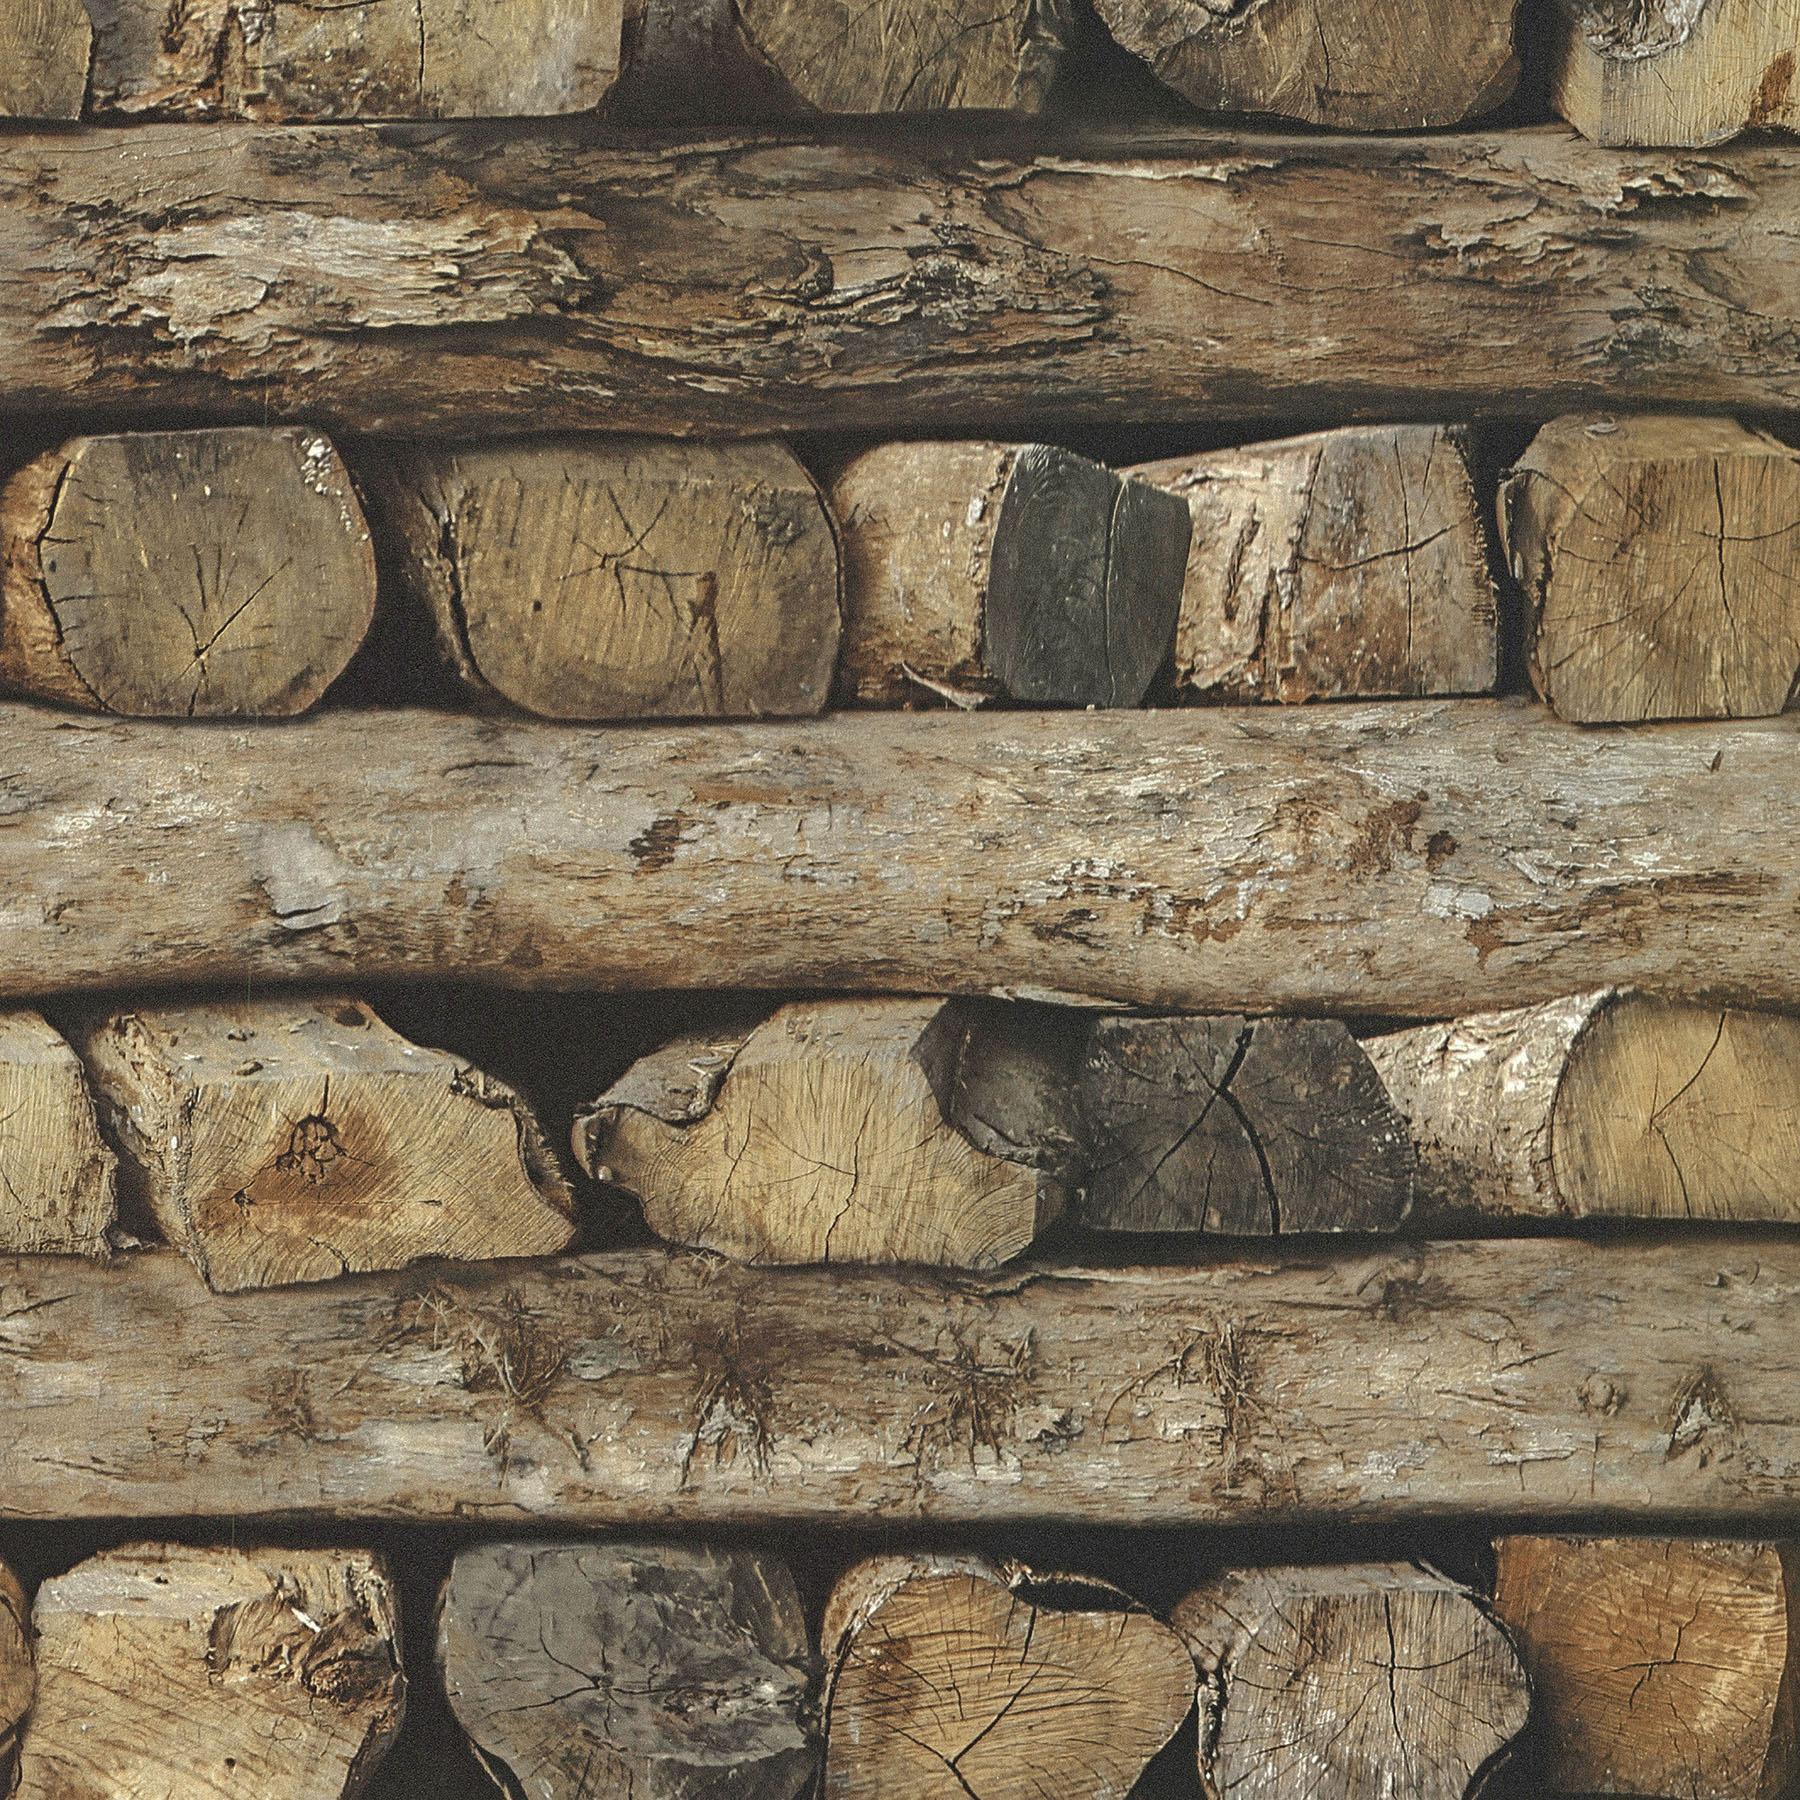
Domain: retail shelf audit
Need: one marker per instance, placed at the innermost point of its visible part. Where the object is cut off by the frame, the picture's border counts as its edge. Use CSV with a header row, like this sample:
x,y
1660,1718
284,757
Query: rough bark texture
x,y
1675,71
1661,558
1603,1105
1350,562
1555,1379
981,569
1376,65
1336,1683
951,1676
44,49
941,280
183,574
57,1178
656,1671
1229,1124
587,578
18,1680
298,1139
1196,860
166,1672
1660,1667
376,59
849,1131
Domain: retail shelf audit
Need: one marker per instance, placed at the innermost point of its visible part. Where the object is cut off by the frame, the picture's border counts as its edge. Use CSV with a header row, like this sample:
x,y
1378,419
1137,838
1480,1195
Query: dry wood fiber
x,y
58,1178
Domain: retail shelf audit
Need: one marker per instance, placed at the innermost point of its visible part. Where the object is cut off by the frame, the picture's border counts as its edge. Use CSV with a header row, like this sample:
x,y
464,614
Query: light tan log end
x,y
57,1177
44,51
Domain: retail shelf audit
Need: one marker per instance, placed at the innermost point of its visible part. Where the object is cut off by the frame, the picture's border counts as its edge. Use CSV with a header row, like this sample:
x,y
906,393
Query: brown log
x,y
1377,65
859,1131
1661,557
297,1139
950,1676
1674,71
980,569
1660,1667
165,1671
1347,563
18,1678
1603,1105
658,1671
1330,1683
950,280
587,578
44,50
211,574
58,1193
1235,1125
1549,1378
1201,860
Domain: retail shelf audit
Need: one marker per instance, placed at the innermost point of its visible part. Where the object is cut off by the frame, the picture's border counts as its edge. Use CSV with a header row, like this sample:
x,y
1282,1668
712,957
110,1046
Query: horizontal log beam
x,y
1541,1379
1414,858
980,278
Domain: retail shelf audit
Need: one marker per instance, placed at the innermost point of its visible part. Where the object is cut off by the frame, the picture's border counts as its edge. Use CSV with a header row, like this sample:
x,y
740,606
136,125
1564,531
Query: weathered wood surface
x,y
18,1679
58,1191
1544,1378
595,578
44,51
943,280
1335,1683
1674,71
171,574
1661,560
1346,563
650,1671
1200,859
166,1671
978,569
1660,1667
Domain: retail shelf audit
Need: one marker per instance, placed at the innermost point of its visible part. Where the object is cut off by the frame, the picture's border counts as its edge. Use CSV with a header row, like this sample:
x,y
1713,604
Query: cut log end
x,y
57,1177
44,50
18,1679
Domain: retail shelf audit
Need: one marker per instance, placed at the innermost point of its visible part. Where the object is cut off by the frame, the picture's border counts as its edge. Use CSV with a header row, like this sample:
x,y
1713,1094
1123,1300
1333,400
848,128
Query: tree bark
x,y
298,1139
209,574
165,1670
1325,1683
1660,1667
44,51
931,1657
1348,563
1554,1379
588,578
58,1193
943,280
980,569
1196,860
702,1671
1675,71
1376,65
1661,558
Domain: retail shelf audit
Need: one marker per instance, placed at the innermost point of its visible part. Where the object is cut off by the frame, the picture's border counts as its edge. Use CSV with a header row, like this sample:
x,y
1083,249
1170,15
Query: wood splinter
x,y
974,570
299,1138
951,1675
57,1177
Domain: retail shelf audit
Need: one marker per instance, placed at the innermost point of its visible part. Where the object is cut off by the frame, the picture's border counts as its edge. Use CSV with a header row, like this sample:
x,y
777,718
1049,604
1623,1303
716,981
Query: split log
x,y
1661,558
1350,562
1602,1105
212,574
1378,65
18,1678
660,1671
165,1670
58,1193
950,280
44,51
1675,71
587,578
298,1139
1660,1667
1199,860
981,569
1235,1125
1551,1378
1318,1683
953,1676
851,1131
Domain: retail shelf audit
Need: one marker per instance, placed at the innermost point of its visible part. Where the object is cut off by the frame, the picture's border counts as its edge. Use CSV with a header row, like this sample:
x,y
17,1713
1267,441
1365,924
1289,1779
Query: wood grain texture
x,y
1202,859
655,1671
18,1676
1558,1380
956,279
58,1191
44,52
